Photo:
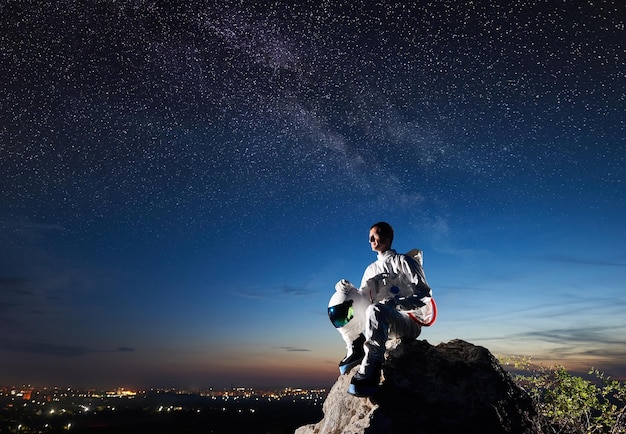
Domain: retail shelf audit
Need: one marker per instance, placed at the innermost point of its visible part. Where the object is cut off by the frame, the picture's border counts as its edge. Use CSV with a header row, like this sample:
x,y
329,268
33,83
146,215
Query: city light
x,y
49,410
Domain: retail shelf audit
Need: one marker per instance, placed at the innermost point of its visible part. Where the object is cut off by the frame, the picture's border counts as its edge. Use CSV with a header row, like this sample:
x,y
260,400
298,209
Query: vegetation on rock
x,y
569,404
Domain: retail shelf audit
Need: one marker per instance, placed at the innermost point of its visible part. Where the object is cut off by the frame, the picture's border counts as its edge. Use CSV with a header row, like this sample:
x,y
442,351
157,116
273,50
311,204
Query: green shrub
x,y
568,404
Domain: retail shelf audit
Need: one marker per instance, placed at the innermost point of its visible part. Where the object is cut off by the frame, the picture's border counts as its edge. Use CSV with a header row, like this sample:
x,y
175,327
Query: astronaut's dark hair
x,y
384,230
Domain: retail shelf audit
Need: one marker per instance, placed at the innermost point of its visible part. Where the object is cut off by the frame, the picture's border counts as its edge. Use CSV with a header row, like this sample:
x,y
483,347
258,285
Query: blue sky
x,y
185,184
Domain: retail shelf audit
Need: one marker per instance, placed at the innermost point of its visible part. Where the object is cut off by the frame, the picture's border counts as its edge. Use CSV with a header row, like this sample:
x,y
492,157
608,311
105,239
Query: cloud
x,y
16,303
45,349
25,236
55,350
251,294
600,342
273,293
570,260
20,225
294,349
43,227
296,291
592,335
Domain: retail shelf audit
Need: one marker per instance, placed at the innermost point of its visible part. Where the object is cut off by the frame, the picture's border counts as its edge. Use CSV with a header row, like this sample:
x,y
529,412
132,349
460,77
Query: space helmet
x,y
346,308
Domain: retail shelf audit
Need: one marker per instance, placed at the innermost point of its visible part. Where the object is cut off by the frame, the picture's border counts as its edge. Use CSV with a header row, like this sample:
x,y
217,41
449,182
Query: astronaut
x,y
394,300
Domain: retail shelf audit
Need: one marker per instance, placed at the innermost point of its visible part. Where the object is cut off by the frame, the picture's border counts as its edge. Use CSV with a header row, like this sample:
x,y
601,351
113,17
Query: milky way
x,y
118,106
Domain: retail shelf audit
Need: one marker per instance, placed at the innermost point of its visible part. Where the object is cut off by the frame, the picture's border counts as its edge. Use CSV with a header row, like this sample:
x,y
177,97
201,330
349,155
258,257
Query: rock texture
x,y
454,387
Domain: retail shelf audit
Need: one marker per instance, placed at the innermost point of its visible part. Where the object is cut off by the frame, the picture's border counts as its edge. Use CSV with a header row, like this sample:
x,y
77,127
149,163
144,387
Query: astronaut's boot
x,y
354,356
365,384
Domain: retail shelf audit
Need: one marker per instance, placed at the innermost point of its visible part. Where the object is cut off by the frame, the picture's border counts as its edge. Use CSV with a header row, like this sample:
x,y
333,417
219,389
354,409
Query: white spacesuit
x,y
394,300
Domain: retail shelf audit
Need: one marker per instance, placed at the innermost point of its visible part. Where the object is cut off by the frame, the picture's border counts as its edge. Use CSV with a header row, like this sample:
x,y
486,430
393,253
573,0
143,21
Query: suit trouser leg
x,y
382,322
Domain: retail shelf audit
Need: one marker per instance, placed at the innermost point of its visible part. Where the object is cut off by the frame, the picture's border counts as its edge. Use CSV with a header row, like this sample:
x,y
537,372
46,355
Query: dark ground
x,y
199,416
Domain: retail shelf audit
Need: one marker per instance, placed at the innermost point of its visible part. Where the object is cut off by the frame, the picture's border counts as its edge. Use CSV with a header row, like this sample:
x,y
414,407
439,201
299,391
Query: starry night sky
x,y
182,185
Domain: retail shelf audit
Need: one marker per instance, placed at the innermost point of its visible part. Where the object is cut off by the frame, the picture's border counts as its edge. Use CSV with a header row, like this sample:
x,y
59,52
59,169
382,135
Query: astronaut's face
x,y
377,243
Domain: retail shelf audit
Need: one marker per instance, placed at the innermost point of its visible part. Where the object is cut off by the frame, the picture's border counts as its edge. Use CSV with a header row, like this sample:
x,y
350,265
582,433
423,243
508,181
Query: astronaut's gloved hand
x,y
344,286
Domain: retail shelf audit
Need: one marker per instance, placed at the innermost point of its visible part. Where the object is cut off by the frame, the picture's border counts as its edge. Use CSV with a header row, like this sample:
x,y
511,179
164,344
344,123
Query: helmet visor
x,y
341,314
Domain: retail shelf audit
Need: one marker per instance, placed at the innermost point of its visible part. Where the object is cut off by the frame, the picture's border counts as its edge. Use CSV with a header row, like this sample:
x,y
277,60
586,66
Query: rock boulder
x,y
454,387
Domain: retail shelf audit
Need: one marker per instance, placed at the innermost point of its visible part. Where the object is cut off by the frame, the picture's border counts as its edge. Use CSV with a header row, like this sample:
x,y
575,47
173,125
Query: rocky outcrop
x,y
454,387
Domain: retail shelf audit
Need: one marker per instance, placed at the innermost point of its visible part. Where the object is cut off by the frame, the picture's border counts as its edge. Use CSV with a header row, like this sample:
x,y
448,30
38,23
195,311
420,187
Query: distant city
x,y
29,409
